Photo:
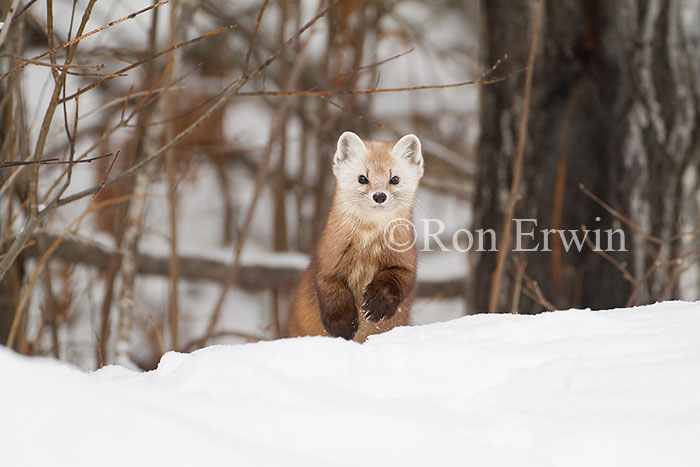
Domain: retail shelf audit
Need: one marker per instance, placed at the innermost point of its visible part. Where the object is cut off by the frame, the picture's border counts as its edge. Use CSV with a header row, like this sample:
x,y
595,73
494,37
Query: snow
x,y
569,388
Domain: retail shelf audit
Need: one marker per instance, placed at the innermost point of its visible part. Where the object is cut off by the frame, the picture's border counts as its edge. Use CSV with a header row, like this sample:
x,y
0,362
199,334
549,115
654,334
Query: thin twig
x,y
170,131
52,161
109,169
495,66
619,265
626,220
532,290
51,65
253,38
363,68
519,276
345,92
158,333
5,165
9,17
350,112
24,8
637,285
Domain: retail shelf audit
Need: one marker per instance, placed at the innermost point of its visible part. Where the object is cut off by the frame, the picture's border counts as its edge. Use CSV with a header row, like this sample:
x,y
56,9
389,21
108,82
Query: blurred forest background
x,y
165,167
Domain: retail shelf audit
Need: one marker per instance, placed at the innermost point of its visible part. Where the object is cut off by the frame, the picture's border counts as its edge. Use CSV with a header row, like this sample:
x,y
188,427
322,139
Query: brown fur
x,y
353,268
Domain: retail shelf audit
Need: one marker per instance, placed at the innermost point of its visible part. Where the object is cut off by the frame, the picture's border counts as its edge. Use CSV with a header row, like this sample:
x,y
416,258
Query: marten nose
x,y
379,197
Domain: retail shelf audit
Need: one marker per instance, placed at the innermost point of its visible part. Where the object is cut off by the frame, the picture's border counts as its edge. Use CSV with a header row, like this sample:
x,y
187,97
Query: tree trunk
x,y
615,108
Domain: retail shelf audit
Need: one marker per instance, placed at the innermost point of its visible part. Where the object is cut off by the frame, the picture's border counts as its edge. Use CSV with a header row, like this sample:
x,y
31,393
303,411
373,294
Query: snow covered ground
x,y
567,388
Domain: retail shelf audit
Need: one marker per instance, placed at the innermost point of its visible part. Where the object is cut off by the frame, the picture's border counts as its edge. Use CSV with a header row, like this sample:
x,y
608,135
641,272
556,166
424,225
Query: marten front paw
x,y
380,300
341,320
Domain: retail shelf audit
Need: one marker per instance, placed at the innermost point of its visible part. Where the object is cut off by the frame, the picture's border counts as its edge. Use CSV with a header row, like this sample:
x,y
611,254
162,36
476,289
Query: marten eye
x,y
363,180
394,180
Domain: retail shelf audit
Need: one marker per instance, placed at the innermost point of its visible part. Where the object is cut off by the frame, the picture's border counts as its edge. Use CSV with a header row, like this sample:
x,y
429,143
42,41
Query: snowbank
x,y
566,388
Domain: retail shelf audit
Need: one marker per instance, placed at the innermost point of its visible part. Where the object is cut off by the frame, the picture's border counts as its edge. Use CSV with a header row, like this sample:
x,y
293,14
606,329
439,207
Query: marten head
x,y
376,178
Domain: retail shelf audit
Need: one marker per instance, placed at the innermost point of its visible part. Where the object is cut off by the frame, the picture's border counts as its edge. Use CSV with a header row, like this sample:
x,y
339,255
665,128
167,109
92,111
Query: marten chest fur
x,y
360,260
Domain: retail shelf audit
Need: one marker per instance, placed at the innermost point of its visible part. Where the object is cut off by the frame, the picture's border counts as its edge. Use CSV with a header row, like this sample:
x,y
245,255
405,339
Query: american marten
x,y
363,270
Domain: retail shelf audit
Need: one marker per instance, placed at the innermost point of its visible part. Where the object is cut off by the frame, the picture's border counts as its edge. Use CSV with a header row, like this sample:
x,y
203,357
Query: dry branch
x,y
170,131
52,161
517,166
347,92
9,17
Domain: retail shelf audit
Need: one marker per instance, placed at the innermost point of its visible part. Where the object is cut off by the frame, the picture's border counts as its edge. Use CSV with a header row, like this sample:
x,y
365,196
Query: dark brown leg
x,y
337,304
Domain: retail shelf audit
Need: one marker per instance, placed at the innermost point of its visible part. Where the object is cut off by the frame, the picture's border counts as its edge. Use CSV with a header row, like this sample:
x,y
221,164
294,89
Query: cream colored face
x,y
377,178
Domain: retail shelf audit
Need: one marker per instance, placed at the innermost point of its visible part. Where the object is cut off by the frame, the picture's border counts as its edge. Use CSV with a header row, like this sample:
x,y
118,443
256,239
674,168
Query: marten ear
x,y
409,147
349,146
